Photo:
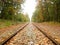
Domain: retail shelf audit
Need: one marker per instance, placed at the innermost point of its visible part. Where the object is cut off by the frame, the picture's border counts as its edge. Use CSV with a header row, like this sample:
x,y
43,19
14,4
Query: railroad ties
x,y
30,34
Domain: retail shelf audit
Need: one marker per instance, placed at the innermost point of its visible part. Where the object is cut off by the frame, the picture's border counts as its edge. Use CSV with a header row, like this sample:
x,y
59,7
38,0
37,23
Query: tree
x,y
10,8
47,10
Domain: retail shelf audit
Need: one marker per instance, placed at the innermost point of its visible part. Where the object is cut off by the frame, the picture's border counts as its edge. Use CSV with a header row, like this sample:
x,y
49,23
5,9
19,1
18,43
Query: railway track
x,y
13,34
47,35
30,34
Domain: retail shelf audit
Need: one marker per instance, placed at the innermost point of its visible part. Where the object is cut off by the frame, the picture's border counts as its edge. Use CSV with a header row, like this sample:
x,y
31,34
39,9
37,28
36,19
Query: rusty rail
x,y
48,36
19,29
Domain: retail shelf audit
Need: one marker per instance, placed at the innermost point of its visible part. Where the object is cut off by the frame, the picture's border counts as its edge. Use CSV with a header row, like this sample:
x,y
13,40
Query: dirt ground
x,y
52,30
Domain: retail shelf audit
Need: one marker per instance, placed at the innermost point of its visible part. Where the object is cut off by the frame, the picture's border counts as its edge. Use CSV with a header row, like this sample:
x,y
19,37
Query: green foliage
x,y
21,17
5,23
11,10
47,10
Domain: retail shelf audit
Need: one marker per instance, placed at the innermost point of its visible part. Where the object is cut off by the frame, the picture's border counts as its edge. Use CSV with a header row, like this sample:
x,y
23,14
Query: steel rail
x,y
14,34
48,36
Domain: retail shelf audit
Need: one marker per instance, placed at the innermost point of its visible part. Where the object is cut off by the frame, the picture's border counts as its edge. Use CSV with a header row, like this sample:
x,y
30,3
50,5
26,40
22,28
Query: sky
x,y
29,7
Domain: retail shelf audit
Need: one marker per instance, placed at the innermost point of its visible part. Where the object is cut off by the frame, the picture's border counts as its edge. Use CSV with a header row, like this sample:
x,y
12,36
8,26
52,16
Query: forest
x,y
47,11
12,10
29,22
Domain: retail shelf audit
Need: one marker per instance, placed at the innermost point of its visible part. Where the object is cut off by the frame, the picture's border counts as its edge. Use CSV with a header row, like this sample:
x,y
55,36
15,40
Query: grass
x,y
53,23
5,23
